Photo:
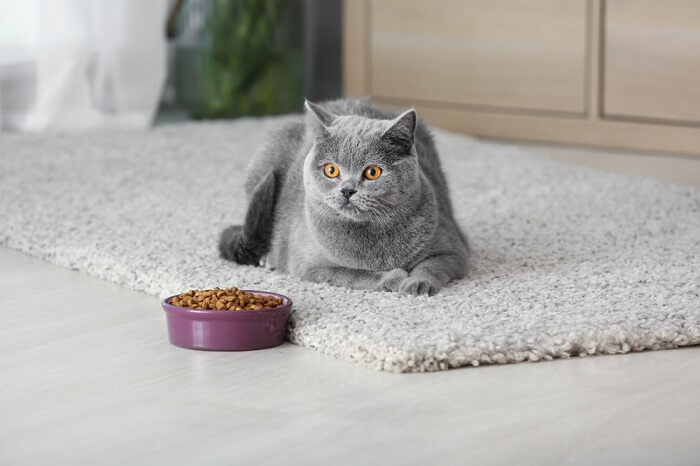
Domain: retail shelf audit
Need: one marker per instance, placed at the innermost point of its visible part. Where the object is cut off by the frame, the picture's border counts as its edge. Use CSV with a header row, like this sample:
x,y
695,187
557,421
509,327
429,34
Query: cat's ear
x,y
317,119
402,130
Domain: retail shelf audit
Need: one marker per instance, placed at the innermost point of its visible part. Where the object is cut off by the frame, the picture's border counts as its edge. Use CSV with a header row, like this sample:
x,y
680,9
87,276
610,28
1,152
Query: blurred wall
x,y
322,29
18,43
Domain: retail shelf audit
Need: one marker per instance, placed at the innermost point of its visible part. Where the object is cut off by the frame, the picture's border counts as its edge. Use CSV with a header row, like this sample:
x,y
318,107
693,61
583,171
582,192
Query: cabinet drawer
x,y
512,54
652,60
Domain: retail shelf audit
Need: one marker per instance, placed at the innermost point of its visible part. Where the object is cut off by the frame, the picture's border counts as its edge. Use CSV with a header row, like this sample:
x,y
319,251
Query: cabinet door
x,y
652,60
513,54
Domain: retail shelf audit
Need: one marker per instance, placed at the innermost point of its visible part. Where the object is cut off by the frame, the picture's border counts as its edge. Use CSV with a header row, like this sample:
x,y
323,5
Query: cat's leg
x,y
247,243
356,278
432,273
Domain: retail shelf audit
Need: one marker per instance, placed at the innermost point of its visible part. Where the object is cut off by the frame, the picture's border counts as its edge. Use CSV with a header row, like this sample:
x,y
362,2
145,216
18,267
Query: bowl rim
x,y
286,304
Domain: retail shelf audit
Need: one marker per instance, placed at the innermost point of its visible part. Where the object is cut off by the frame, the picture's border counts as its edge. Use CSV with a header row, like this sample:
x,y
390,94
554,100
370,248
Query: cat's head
x,y
362,168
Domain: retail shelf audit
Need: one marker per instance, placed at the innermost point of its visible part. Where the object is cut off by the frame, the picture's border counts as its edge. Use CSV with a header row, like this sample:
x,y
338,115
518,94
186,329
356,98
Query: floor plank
x,y
88,376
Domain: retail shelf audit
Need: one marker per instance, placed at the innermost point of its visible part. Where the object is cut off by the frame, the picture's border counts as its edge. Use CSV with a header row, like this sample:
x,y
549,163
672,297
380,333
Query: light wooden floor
x,y
87,377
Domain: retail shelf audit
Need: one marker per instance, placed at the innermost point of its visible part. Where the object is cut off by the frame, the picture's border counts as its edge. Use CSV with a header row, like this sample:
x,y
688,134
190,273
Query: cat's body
x,y
396,232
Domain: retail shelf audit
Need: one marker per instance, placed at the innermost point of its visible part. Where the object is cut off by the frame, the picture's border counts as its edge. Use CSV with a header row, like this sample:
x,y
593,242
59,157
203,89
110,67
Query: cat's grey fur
x,y
395,233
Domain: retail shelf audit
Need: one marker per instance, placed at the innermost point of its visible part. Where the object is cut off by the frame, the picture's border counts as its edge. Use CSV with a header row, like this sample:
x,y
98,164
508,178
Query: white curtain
x,y
97,64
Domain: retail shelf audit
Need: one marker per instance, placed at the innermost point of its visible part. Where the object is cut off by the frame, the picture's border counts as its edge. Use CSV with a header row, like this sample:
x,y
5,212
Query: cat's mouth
x,y
349,205
350,209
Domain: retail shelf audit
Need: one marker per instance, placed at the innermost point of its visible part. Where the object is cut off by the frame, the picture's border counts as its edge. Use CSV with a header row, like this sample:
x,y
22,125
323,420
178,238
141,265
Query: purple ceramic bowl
x,y
207,329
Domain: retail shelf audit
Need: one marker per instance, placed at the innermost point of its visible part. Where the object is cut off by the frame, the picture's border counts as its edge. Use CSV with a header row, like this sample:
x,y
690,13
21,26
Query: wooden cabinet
x,y
652,60
613,73
524,54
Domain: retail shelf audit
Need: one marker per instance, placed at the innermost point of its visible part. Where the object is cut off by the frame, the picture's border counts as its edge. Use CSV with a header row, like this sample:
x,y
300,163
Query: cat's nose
x,y
348,192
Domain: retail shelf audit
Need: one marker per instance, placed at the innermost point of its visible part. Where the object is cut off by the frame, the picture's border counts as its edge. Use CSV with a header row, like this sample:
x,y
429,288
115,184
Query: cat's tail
x,y
248,243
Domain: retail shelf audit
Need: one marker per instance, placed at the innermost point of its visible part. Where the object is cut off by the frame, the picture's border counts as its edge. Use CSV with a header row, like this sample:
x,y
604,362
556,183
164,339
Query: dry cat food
x,y
229,299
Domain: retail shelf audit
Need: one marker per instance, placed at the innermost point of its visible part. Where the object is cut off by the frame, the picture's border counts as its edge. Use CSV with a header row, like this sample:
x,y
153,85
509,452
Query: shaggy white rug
x,y
567,261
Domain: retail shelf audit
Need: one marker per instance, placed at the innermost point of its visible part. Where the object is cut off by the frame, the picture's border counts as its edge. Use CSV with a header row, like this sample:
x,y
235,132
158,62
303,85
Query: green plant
x,y
250,59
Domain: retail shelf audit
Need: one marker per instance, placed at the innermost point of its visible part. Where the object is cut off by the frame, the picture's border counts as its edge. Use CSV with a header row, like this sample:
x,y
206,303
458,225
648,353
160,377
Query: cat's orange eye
x,y
372,172
331,170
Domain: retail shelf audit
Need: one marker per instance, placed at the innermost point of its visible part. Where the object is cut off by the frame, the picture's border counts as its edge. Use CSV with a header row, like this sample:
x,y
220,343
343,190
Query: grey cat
x,y
352,196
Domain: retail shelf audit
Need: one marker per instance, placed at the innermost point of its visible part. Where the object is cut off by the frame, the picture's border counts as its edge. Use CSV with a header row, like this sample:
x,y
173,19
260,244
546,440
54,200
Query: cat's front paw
x,y
392,279
413,286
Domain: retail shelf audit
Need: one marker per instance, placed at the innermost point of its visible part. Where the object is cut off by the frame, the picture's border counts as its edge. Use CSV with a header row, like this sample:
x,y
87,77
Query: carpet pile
x,y
567,260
